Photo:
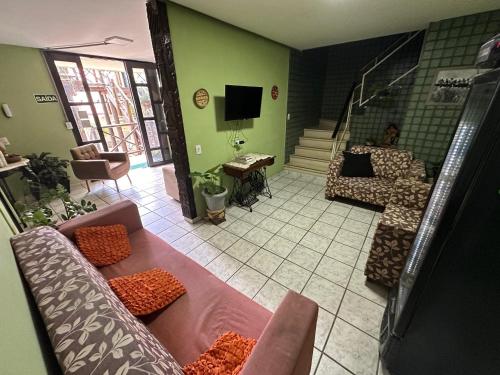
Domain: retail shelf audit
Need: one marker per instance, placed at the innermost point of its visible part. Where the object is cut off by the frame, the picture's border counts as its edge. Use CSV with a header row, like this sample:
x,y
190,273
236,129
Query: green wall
x,y
209,54
34,127
427,130
20,348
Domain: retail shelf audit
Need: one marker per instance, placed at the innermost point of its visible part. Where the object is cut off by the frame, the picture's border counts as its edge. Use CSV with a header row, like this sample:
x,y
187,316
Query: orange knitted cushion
x,y
145,292
226,356
104,245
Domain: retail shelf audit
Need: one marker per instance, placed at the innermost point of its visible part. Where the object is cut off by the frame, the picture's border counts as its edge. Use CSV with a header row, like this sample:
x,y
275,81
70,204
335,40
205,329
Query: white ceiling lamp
x,y
112,40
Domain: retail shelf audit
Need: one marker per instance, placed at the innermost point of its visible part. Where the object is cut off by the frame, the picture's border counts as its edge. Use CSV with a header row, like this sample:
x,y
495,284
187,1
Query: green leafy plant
x,y
209,180
39,213
46,171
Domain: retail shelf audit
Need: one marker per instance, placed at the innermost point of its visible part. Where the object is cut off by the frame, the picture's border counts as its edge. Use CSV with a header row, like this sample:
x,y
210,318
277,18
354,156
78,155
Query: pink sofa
x,y
210,307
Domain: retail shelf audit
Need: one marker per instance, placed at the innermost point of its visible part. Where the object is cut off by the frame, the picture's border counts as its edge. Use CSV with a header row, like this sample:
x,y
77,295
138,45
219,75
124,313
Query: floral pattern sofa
x,y
388,165
396,231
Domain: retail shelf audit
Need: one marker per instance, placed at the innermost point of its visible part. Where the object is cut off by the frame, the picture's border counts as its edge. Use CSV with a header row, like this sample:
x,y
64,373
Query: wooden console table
x,y
250,179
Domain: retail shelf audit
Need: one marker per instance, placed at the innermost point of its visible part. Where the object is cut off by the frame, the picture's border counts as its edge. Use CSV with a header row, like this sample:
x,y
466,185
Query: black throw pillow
x,y
357,165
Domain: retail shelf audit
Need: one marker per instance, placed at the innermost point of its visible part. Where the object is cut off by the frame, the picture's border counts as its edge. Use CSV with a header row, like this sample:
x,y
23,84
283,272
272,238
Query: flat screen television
x,y
242,102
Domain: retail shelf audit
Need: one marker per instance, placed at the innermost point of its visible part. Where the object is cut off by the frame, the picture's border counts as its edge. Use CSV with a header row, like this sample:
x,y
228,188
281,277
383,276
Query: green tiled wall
x,y
448,43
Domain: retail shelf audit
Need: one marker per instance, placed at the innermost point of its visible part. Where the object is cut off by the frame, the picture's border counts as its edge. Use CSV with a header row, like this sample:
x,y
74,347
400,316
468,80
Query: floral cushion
x,y
410,193
91,331
372,190
387,162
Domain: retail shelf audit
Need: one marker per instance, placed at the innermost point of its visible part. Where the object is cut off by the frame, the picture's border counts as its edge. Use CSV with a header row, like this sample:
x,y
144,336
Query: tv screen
x,y
242,102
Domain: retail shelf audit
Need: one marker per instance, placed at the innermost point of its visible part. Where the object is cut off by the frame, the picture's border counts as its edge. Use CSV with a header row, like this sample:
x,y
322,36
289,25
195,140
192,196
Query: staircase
x,y
312,154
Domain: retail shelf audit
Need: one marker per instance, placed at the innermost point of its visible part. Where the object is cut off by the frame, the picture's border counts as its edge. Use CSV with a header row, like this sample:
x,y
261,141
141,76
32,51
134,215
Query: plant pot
x,y
215,202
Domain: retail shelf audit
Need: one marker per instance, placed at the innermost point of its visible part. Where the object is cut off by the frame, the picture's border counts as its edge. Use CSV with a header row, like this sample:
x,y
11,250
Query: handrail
x,y
336,143
344,109
363,102
396,42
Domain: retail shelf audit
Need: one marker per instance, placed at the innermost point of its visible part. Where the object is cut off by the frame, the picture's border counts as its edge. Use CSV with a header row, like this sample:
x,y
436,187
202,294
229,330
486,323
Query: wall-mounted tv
x,y
242,102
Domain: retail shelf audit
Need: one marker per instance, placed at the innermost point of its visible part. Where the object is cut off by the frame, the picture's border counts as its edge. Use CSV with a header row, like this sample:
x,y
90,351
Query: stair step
x,y
326,123
311,152
309,163
294,168
318,133
316,143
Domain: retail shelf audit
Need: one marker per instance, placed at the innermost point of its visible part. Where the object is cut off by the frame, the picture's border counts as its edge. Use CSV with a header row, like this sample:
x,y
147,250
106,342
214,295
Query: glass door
x,y
69,78
113,100
146,88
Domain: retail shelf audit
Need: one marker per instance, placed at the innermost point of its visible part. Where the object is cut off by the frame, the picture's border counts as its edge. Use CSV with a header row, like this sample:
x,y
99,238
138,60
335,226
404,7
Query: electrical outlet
x,y
288,116
68,125
197,149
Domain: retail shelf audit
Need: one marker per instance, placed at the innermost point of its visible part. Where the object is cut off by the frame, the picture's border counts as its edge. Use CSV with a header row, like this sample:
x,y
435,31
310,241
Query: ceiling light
x,y
118,40
114,40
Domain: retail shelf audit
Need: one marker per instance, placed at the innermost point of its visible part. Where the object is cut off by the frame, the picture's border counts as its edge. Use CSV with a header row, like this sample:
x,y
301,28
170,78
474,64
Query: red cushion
x,y
226,356
103,245
146,292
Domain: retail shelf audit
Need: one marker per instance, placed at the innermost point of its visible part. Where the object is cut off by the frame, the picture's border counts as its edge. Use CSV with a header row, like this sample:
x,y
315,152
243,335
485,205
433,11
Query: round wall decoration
x,y
274,92
201,98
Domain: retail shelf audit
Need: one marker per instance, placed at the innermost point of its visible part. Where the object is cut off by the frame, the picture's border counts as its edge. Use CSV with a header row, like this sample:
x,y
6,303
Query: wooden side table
x,y
250,179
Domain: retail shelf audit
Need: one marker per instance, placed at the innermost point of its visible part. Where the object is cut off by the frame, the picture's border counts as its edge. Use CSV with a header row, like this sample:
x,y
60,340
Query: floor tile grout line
x,y
333,323
316,219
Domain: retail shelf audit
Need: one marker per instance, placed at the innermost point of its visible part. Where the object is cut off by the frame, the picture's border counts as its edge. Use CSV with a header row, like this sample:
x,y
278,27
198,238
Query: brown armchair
x,y
396,231
90,164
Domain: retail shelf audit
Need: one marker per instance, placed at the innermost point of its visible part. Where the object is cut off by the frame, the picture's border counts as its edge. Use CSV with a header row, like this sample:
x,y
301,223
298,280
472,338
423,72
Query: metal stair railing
x,y
411,37
338,141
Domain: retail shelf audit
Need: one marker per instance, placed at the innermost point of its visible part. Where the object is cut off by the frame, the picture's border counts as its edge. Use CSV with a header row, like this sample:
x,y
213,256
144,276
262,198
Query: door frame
x,y
129,66
161,40
51,56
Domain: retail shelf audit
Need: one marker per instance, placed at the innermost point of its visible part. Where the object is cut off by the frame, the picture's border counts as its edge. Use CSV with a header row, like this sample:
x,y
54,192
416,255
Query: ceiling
x,y
300,24
46,23
307,24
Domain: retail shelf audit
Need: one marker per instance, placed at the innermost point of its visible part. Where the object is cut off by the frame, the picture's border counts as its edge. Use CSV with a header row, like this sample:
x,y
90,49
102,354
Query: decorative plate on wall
x,y
201,98
274,92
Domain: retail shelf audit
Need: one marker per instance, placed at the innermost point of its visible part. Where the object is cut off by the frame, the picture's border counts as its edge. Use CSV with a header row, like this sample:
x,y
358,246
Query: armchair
x,y
90,164
396,231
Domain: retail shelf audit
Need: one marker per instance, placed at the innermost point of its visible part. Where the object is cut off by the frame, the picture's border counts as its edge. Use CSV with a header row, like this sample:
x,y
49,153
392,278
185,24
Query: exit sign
x,y
45,98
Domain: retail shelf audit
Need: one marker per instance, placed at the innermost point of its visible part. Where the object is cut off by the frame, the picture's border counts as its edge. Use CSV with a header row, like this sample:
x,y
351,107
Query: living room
x,y
311,260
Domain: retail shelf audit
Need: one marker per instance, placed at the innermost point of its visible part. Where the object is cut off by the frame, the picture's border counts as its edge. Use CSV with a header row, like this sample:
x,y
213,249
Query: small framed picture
x,y
451,85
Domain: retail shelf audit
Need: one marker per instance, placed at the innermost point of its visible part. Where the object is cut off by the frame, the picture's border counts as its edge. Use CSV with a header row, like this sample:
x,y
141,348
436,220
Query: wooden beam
x,y
164,56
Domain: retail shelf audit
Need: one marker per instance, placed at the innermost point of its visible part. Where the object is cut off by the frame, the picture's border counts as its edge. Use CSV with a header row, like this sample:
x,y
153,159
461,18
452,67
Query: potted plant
x,y
40,213
46,171
211,189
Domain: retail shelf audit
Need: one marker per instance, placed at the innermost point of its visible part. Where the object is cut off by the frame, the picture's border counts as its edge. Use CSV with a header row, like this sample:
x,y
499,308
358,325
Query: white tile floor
x,y
297,240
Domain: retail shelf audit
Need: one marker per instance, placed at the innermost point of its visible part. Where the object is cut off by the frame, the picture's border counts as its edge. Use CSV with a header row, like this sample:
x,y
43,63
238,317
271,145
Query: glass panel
x,y
139,76
152,133
155,88
124,138
110,88
146,106
477,105
71,81
161,116
156,155
85,123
